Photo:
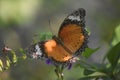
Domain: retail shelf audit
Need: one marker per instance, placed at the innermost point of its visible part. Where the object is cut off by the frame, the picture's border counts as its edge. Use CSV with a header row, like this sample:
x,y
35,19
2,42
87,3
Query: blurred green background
x,y
20,20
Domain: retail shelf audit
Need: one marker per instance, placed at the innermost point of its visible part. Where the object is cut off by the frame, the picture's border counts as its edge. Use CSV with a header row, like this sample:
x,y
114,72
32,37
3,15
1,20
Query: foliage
x,y
116,36
105,71
10,58
110,68
17,11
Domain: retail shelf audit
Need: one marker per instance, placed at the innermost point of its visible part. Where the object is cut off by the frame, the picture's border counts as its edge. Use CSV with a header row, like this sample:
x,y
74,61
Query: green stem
x,y
59,72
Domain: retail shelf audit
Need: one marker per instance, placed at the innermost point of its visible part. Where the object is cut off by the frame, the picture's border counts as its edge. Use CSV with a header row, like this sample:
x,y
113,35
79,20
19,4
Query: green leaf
x,y
8,62
1,65
88,52
88,78
92,78
113,55
92,68
45,36
88,72
86,65
24,56
95,78
116,37
97,70
88,30
14,57
49,35
1,69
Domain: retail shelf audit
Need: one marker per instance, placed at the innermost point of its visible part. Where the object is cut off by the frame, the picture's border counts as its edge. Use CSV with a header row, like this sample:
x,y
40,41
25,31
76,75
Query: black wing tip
x,y
81,12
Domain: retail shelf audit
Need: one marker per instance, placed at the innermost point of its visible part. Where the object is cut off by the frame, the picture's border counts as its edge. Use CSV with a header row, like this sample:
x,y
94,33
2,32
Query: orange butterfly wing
x,y
56,51
72,37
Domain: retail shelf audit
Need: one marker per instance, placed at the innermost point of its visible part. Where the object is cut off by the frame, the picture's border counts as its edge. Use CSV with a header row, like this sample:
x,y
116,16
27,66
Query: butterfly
x,y
71,41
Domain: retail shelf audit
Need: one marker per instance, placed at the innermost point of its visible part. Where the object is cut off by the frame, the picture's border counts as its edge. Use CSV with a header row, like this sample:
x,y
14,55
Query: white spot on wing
x,y
74,18
38,51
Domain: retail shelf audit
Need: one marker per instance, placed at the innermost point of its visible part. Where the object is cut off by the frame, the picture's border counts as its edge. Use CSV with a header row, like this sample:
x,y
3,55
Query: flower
x,y
6,49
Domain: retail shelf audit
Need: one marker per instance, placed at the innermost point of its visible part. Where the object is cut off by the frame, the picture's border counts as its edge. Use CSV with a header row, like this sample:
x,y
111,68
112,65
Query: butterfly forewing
x,y
72,37
72,31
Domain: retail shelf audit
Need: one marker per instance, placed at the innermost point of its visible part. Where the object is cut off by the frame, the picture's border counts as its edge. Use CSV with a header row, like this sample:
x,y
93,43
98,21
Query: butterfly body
x,y
71,40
